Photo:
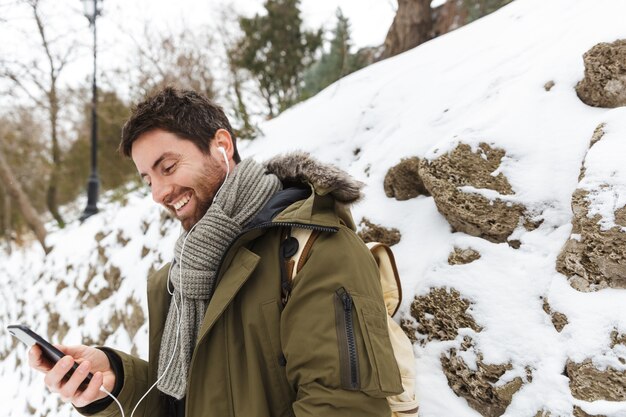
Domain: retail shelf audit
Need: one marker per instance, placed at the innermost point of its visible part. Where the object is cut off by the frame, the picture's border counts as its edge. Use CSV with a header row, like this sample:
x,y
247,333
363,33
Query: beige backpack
x,y
405,404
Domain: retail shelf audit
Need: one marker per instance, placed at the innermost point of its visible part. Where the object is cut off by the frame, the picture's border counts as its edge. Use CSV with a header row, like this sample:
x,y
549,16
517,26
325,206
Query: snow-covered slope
x,y
481,83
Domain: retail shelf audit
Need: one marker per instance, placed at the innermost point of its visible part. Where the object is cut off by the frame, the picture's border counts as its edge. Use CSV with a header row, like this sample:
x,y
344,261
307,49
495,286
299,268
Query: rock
x,y
121,238
594,257
371,232
579,412
441,314
472,213
463,256
403,182
478,383
604,84
409,327
548,86
588,383
559,320
617,339
514,243
598,133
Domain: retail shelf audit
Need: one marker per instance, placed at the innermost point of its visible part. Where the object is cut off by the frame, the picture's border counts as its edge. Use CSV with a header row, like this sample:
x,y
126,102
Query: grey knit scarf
x,y
196,257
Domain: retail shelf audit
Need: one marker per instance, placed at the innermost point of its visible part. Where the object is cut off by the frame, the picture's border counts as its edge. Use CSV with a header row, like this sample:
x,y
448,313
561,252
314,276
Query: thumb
x,y
74,351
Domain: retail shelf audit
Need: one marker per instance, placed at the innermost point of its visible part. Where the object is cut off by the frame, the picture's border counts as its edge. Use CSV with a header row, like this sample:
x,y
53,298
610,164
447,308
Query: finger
x,y
91,393
75,351
55,376
70,388
36,360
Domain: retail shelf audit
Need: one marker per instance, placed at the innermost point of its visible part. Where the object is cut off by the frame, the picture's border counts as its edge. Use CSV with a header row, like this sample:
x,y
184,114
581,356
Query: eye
x,y
169,168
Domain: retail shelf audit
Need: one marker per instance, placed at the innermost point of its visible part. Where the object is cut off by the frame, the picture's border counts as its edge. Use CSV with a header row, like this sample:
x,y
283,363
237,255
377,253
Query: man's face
x,y
182,178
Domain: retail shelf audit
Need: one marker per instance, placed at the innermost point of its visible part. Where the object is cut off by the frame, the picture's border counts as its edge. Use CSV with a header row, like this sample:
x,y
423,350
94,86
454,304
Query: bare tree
x,y
417,22
180,59
15,190
38,80
411,26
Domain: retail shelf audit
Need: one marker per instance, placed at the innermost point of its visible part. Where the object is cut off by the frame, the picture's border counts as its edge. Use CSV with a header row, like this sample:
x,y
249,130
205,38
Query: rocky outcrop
x,y
441,313
559,320
479,383
589,383
492,218
579,412
463,256
618,339
594,257
370,232
403,182
604,84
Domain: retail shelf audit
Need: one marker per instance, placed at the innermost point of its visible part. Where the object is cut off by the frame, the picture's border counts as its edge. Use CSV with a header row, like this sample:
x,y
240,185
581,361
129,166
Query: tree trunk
x,y
53,185
411,26
449,16
14,189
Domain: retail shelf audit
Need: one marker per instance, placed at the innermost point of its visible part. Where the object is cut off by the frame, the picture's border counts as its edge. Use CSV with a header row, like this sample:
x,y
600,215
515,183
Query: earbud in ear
x,y
223,151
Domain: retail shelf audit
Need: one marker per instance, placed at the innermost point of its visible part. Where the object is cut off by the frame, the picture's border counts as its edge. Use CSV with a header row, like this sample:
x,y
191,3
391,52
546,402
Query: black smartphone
x,y
30,338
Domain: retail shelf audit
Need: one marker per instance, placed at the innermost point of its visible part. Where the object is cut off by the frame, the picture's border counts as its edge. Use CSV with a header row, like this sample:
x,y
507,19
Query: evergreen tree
x,y
334,64
276,50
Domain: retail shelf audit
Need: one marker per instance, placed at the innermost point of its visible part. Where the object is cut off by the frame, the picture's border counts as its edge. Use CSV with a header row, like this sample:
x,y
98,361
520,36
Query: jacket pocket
x,y
366,356
380,353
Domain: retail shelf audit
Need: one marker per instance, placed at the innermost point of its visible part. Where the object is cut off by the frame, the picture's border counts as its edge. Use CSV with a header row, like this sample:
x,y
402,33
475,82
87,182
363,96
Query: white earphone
x,y
223,151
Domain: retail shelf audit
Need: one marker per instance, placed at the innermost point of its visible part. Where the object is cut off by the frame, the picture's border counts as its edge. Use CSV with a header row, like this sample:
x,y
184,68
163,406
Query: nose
x,y
160,191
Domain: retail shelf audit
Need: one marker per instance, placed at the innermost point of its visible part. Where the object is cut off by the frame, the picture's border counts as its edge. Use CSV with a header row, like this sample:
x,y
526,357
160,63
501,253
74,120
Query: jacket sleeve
x,y
136,383
333,332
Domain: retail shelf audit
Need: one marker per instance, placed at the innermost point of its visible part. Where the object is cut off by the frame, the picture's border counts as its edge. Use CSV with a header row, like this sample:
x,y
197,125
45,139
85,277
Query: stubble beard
x,y
203,194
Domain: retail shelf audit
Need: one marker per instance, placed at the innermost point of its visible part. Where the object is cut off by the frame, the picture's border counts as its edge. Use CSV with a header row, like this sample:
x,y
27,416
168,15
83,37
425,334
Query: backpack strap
x,y
294,252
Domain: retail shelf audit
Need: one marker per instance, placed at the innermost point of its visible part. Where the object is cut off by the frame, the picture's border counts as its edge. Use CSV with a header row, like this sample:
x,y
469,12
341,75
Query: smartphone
x,y
30,338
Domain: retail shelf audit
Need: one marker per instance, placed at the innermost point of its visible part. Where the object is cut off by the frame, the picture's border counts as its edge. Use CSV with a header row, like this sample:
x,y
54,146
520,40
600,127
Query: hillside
x,y
512,256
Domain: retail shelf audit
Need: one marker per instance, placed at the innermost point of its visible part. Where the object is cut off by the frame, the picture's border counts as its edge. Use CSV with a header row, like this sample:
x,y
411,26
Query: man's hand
x,y
90,360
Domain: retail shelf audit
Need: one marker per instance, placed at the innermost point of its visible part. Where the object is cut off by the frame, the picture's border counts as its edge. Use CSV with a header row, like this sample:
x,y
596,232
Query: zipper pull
x,y
346,299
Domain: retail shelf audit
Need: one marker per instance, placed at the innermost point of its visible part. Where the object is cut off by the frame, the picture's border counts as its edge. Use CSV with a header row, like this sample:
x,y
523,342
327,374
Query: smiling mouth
x,y
181,203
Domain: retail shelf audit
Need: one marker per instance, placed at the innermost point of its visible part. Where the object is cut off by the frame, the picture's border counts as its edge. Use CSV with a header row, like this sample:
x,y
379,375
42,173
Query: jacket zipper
x,y
269,225
350,341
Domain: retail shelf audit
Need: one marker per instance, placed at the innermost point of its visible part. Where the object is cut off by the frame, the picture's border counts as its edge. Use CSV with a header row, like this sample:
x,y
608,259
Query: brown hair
x,y
185,113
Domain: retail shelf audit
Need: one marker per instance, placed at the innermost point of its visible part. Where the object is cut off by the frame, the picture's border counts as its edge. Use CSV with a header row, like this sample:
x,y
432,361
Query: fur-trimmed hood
x,y
300,167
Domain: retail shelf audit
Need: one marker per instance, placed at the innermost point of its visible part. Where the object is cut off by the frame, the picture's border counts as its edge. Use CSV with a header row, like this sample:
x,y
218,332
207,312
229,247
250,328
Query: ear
x,y
222,139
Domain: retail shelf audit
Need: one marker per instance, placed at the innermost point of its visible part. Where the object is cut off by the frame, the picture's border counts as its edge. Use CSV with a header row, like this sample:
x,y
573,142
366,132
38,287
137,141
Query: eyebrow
x,y
159,160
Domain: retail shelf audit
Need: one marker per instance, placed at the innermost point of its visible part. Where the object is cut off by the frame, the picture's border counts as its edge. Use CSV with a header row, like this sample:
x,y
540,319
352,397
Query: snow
x,y
481,83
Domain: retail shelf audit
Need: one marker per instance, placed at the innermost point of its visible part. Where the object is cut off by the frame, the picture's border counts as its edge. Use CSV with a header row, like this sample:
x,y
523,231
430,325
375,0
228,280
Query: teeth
x,y
181,202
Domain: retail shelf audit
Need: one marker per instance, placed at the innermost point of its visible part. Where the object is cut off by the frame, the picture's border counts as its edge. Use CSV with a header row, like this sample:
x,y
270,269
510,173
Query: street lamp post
x,y
92,11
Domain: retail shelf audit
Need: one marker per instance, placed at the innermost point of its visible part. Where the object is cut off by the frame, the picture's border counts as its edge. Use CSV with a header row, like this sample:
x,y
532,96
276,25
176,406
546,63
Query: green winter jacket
x,y
327,353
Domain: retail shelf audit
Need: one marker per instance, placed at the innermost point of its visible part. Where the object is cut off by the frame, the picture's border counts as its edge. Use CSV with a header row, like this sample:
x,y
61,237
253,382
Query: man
x,y
229,334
